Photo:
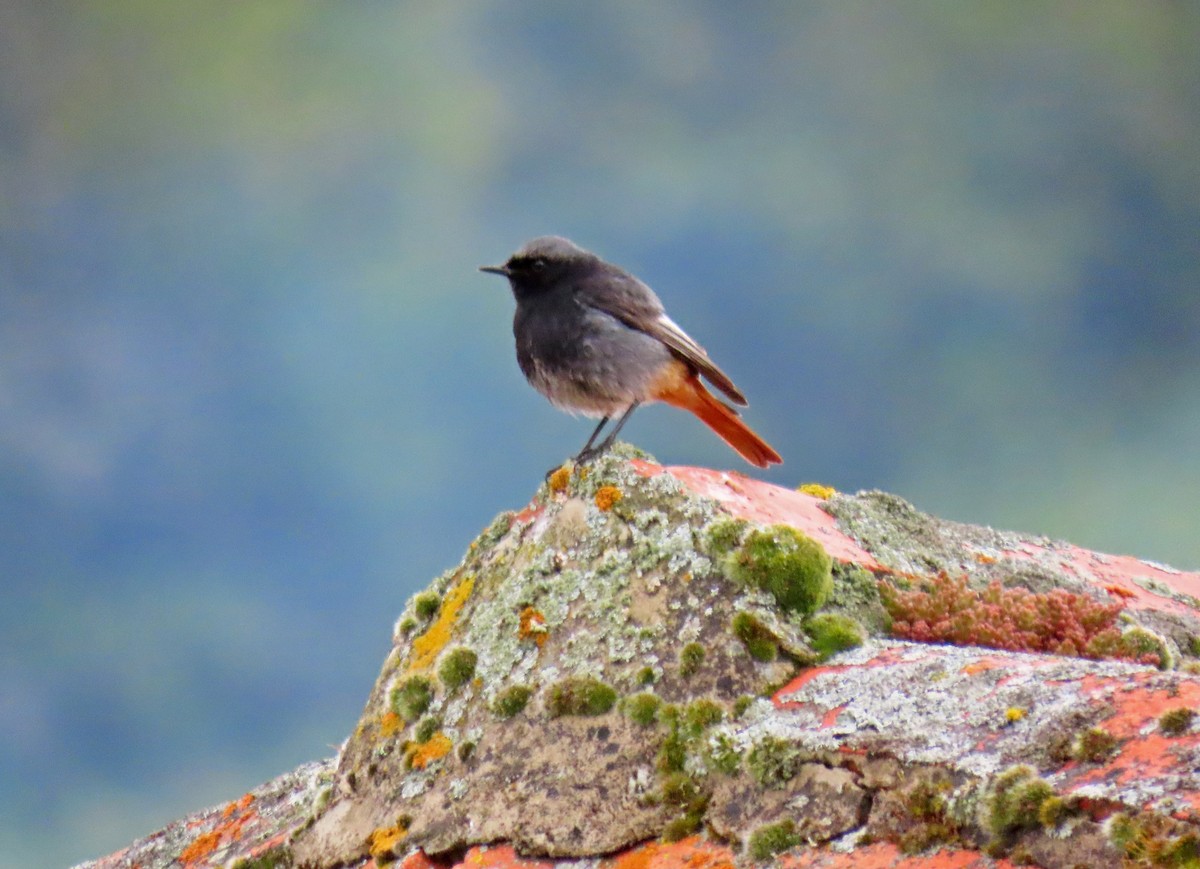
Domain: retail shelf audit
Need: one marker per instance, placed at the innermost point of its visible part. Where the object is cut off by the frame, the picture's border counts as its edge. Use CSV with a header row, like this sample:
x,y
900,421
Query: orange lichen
x,y
201,847
1120,591
606,497
234,817
389,724
532,626
429,645
560,478
385,839
818,491
422,754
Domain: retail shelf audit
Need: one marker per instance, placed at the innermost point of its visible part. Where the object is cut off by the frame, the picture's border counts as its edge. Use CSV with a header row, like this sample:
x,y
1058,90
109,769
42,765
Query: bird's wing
x,y
636,305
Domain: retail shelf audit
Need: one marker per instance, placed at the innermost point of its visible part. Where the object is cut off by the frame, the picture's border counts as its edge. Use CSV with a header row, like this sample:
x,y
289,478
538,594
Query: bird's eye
x,y
538,264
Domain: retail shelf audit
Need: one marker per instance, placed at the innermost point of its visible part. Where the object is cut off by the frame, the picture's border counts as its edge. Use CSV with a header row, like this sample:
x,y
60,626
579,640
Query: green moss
x,y
699,715
772,839
427,727
511,701
1151,839
723,755
741,704
1175,721
792,567
691,657
725,535
681,828
645,676
407,626
830,633
1016,801
580,695
427,604
1053,812
759,642
1094,745
1139,642
412,697
773,762
672,754
465,750
641,708
457,667
276,858
926,804
677,789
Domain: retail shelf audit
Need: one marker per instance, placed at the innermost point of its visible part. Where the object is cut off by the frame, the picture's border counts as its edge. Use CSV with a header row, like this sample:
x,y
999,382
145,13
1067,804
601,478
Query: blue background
x,y
253,393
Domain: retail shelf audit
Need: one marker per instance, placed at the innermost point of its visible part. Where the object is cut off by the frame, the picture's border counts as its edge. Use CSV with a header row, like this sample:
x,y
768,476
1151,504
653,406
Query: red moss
x,y
945,609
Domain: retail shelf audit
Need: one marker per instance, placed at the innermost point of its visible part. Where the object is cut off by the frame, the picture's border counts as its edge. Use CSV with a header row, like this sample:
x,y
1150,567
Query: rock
x,y
628,659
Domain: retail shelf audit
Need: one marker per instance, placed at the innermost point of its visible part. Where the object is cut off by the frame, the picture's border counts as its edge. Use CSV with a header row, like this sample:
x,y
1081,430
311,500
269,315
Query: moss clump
x,y
1151,839
672,754
1175,721
759,641
1094,745
1148,647
741,704
465,750
426,605
723,755
1016,801
457,667
726,535
699,715
1053,812
830,633
677,789
927,805
411,698
645,676
792,567
427,727
681,828
511,701
641,708
772,839
406,626
691,657
276,858
773,762
580,695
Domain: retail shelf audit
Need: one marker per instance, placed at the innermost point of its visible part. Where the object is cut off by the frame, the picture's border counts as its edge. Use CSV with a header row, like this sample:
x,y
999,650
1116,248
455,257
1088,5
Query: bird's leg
x,y
589,452
585,453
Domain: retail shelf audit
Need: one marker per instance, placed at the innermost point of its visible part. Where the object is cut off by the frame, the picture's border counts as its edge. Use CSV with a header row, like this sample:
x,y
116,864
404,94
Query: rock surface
x,y
650,667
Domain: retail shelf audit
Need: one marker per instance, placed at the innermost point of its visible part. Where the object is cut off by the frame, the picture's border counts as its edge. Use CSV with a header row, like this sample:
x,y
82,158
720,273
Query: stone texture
x,y
892,754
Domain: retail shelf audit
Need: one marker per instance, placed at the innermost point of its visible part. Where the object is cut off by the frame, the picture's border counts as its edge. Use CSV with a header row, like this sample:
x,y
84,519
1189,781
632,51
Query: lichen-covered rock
x,y
683,667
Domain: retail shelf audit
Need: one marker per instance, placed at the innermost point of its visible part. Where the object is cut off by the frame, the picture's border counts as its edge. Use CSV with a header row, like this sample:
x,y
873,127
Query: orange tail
x,y
688,393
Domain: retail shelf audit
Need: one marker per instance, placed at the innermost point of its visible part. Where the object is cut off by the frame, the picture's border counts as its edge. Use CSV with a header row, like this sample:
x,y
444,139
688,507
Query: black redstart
x,y
595,340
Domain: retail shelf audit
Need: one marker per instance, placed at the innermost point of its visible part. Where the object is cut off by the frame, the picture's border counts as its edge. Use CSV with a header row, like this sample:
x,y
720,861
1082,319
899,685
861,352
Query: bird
x,y
595,340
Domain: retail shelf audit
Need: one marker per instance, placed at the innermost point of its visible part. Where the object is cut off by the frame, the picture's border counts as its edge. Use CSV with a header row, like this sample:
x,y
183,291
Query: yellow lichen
x,y
818,491
384,841
559,479
606,496
1013,714
422,754
389,724
429,645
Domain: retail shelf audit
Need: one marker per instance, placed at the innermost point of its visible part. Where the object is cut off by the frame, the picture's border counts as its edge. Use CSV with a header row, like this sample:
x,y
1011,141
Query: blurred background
x,y
253,393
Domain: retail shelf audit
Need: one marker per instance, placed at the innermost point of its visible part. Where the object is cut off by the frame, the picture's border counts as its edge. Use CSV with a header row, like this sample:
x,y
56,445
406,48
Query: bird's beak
x,y
495,270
